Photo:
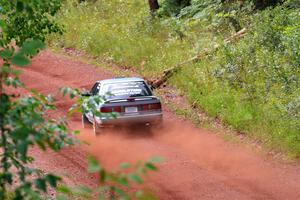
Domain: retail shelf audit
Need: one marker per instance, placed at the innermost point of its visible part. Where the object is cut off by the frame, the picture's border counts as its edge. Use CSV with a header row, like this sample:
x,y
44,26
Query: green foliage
x,y
220,16
173,7
29,19
23,121
114,185
265,69
85,104
253,85
24,124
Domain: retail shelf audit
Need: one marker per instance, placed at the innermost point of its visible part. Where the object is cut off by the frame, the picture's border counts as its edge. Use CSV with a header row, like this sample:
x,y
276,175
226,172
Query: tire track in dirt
x,y
198,165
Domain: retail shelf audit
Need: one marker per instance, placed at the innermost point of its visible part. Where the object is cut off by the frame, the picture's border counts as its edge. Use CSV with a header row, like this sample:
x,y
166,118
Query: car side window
x,y
95,89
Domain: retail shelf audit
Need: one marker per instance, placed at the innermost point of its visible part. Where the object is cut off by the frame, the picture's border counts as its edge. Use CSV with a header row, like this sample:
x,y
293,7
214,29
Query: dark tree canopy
x,y
173,7
153,5
261,4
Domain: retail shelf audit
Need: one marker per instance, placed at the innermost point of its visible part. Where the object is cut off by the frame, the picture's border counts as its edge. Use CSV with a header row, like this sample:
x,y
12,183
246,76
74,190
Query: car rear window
x,y
124,90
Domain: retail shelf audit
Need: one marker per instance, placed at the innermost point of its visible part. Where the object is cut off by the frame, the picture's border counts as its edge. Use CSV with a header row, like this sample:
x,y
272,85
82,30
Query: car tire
x,y
96,128
85,121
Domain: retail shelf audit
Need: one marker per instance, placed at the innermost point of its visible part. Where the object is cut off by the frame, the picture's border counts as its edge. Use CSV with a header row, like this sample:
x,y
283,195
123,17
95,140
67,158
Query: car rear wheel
x,y
85,121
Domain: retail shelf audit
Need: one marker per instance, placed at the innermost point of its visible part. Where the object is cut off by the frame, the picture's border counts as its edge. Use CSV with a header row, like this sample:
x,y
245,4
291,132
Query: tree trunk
x,y
154,6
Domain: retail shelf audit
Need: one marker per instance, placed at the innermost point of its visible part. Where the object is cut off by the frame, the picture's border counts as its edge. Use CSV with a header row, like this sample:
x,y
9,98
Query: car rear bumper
x,y
152,118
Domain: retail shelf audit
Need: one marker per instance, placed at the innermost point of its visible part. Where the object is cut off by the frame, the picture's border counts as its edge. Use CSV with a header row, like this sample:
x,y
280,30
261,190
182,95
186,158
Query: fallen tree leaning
x,y
171,71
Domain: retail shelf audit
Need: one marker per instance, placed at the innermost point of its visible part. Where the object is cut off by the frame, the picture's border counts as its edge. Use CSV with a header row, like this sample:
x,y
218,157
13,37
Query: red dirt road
x,y
198,165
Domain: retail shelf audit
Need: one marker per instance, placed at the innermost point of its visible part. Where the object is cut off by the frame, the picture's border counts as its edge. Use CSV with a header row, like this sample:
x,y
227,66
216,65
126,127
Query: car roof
x,y
121,79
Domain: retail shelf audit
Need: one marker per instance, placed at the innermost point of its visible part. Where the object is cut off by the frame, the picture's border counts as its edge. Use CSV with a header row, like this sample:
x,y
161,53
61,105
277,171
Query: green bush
x,y
173,7
256,81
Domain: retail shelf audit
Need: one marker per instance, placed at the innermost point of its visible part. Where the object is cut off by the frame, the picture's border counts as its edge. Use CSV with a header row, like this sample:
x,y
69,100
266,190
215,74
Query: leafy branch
x,y
114,185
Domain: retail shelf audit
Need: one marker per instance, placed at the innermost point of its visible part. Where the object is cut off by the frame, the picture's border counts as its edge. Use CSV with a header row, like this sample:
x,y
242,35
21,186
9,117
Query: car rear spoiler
x,y
131,99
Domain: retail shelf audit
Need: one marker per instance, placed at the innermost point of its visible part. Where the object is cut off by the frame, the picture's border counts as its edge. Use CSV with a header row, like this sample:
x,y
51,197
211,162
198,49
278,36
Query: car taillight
x,y
106,109
145,107
110,109
153,106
